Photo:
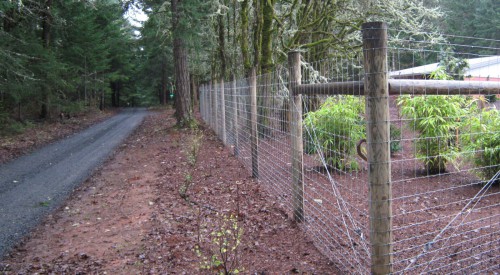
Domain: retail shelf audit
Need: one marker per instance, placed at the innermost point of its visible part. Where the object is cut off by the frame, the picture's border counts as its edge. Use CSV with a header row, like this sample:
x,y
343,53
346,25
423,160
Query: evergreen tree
x,y
469,20
55,54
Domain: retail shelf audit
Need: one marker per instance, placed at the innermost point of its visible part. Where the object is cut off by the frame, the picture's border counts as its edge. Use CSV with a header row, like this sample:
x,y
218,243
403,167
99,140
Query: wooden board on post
x,y
377,111
253,119
295,110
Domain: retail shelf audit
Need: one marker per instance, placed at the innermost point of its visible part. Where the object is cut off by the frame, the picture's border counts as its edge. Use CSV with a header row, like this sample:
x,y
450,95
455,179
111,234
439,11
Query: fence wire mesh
x,y
446,207
444,148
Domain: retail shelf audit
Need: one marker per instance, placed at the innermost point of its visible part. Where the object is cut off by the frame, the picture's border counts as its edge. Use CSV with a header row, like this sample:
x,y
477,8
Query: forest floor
x,y
166,202
43,133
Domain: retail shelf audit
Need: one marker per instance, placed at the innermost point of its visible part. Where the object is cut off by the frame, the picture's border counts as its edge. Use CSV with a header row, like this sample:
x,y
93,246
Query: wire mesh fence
x,y
446,207
322,143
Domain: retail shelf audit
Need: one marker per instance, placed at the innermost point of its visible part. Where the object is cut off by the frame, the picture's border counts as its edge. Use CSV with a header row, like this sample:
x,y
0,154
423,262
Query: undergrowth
x,y
192,149
219,249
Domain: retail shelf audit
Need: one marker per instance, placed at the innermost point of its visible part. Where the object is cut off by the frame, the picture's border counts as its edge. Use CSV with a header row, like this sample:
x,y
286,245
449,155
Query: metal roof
x,y
478,67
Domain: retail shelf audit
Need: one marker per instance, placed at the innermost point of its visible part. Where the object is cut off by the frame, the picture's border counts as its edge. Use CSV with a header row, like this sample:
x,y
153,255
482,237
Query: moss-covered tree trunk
x,y
257,33
265,95
267,35
182,97
245,52
222,45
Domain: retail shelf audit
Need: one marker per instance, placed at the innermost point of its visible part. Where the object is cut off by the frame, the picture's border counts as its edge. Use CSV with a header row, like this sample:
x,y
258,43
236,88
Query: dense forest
x,y
68,56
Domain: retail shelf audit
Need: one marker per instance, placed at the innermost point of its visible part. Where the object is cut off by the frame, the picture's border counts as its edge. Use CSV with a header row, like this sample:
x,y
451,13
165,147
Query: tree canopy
x,y
58,56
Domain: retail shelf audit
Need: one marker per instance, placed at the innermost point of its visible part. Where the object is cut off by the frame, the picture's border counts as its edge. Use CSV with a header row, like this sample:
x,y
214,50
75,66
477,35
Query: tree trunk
x,y
257,33
222,46
266,62
46,23
267,35
183,96
46,28
10,19
115,96
244,12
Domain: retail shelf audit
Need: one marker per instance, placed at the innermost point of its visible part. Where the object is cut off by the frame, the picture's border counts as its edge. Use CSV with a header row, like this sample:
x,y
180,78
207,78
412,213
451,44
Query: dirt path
x,y
34,185
46,132
158,199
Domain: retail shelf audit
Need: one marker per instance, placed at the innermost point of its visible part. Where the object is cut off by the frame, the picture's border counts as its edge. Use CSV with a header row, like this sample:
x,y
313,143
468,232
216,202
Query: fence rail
x,y
306,140
407,86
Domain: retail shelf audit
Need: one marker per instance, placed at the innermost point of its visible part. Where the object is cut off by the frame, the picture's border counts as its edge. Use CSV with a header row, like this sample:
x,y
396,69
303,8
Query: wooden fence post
x,y
295,110
201,107
235,116
212,103
377,110
207,103
223,111
253,119
216,108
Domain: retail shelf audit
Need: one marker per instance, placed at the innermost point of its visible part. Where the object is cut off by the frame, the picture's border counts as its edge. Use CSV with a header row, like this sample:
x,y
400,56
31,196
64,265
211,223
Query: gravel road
x,y
34,185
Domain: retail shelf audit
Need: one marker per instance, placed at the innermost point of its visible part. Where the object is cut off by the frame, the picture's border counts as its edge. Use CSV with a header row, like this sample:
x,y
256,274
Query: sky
x,y
136,16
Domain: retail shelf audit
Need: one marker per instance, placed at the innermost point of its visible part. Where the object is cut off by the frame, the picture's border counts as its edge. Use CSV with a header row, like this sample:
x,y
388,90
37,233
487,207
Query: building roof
x,y
478,67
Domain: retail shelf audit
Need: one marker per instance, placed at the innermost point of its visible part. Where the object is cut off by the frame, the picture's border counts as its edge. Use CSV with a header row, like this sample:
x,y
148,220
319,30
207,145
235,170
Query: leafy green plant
x,y
336,127
491,98
192,151
441,74
435,118
194,147
395,135
223,247
73,108
484,141
44,203
12,127
450,67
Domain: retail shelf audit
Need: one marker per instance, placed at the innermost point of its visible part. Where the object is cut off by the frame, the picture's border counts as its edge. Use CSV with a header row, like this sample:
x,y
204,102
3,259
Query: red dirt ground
x,y
160,196
43,133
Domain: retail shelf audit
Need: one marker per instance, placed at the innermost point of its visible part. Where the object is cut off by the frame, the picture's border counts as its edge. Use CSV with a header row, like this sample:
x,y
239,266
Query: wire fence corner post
x,y
296,136
223,111
235,115
377,111
253,119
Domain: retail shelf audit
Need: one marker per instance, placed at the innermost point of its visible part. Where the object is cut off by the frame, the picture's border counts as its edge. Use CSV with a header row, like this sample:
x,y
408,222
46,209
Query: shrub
x,y
337,126
395,136
223,247
484,141
73,108
491,98
436,118
11,126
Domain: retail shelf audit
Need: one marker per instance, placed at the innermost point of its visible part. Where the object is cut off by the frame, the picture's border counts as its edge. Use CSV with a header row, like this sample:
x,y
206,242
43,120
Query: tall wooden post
x,y
223,111
212,103
207,101
202,101
295,110
235,116
196,95
377,109
216,109
253,119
